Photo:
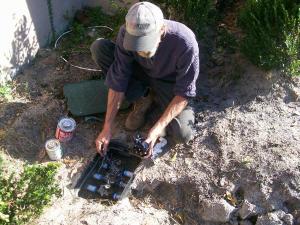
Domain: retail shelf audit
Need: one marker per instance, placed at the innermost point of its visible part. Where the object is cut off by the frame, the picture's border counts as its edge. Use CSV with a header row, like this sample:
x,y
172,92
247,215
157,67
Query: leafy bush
x,y
23,197
272,34
195,13
5,92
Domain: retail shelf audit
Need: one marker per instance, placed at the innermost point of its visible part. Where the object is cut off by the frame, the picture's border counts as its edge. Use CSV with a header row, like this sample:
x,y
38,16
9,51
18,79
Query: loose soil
x,y
246,145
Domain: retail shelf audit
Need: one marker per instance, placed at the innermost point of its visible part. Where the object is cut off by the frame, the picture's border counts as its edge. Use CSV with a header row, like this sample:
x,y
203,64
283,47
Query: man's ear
x,y
163,29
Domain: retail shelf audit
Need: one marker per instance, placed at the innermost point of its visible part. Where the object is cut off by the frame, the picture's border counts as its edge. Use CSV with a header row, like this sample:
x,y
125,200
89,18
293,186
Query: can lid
x,y
52,144
67,124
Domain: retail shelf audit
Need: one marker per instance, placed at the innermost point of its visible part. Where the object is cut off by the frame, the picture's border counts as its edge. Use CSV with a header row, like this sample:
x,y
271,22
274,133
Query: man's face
x,y
151,53
147,54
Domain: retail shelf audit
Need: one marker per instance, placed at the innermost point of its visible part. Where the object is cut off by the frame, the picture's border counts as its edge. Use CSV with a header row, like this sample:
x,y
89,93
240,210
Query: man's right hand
x,y
114,101
102,141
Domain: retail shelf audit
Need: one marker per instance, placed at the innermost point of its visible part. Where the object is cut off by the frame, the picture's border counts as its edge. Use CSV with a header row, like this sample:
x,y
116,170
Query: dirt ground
x,y
246,146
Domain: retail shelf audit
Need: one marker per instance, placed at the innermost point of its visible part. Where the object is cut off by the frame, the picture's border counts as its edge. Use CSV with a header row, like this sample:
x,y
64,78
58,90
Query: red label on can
x,y
65,129
62,135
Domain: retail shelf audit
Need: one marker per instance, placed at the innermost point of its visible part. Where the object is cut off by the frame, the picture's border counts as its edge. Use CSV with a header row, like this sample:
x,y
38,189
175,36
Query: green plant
x,y
6,91
81,37
24,196
272,39
196,13
225,39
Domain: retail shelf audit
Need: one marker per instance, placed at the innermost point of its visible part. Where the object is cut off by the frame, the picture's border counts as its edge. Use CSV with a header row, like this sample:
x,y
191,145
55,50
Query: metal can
x,y
65,129
53,149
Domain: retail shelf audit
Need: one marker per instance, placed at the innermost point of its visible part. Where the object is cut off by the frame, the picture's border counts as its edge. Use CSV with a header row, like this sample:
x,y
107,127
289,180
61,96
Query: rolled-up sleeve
x,y
120,71
187,72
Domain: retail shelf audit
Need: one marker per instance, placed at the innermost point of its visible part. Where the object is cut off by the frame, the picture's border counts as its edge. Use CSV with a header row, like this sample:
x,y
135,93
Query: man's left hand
x,y
151,140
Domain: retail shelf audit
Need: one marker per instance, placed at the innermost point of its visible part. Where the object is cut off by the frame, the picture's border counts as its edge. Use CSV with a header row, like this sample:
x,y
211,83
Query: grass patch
x,y
272,34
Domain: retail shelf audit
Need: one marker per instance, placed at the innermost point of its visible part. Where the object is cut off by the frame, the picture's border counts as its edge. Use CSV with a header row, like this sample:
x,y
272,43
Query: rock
x,y
288,219
248,210
296,214
295,94
222,182
246,222
285,217
259,98
269,219
216,211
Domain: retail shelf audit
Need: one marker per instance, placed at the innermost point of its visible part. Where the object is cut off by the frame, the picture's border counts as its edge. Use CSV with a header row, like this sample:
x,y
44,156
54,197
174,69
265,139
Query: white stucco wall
x,y
25,27
18,40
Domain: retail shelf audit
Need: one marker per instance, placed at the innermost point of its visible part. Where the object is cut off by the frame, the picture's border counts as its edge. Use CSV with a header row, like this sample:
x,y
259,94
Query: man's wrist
x,y
107,127
157,128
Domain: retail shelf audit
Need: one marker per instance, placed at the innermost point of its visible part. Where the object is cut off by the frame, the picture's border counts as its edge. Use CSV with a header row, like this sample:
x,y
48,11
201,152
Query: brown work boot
x,y
136,117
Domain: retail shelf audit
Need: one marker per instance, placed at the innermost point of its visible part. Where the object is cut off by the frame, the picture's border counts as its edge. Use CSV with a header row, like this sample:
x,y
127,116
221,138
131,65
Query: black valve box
x,y
109,177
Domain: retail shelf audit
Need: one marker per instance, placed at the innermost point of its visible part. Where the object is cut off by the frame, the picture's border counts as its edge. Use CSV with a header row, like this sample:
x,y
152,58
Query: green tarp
x,y
87,97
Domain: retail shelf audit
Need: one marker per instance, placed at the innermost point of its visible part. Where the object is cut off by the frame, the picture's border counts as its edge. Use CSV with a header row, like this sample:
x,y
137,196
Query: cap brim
x,y
140,43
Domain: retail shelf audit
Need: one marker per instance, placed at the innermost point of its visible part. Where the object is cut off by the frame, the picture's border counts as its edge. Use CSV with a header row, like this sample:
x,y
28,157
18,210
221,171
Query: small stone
x,y
222,182
216,211
285,217
288,219
269,219
295,94
296,113
246,222
259,98
248,210
188,161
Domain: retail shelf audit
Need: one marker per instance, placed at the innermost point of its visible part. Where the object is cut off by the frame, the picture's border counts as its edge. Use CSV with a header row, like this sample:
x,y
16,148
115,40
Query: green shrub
x,y
24,196
5,92
197,14
272,37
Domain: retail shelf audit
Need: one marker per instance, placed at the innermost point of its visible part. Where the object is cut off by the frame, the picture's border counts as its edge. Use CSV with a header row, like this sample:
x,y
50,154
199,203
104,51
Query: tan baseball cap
x,y
143,24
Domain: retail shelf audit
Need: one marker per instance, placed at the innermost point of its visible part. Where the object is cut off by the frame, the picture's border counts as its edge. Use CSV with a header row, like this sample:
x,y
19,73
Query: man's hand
x,y
102,141
175,107
151,140
114,101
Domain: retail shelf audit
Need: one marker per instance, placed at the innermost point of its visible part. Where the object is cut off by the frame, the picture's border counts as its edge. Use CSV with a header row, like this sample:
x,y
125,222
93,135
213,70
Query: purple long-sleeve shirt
x,y
176,59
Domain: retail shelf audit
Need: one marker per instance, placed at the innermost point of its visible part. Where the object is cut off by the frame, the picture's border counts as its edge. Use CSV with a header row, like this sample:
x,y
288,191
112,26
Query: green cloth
x,y
87,97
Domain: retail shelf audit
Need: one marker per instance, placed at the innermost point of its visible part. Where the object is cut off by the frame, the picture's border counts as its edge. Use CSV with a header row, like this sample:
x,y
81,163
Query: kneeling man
x,y
153,60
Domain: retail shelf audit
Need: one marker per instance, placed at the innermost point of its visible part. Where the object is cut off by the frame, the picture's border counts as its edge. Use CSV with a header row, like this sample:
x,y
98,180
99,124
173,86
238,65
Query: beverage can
x,y
53,149
65,129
